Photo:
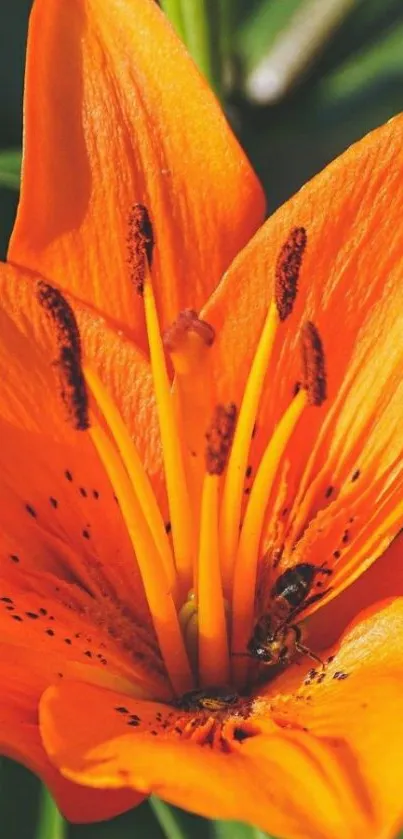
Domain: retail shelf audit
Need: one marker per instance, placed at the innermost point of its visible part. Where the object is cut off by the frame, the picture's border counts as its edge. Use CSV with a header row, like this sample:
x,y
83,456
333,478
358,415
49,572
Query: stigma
x,y
200,574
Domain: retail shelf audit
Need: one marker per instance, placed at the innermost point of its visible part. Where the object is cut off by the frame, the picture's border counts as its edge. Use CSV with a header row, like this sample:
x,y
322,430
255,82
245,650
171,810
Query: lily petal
x,y
124,742
59,513
356,709
20,739
342,479
128,119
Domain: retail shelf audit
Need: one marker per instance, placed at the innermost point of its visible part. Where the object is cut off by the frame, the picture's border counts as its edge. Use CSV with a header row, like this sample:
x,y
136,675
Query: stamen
x,y
139,479
141,244
313,358
219,438
213,643
238,460
287,271
68,363
159,597
248,549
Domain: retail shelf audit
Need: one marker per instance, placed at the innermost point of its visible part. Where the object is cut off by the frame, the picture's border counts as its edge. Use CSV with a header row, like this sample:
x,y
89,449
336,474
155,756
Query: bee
x,y
208,699
277,637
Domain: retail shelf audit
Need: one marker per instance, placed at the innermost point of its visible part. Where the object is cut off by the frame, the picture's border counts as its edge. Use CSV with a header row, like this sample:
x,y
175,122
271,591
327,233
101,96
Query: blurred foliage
x,y
350,83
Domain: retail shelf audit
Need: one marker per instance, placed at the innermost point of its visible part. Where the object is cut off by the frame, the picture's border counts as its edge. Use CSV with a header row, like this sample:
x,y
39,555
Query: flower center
x,y
200,579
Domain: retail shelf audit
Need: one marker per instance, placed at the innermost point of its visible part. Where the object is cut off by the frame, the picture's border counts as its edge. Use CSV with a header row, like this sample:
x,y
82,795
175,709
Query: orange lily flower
x,y
192,466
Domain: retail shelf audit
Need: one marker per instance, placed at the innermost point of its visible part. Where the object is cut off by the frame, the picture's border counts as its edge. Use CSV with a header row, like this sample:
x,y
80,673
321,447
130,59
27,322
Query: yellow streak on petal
x,y
248,549
213,643
237,464
156,587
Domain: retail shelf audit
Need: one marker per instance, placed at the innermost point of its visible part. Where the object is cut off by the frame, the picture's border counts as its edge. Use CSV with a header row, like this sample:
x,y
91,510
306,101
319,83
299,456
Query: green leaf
x,y
258,32
237,830
10,168
382,60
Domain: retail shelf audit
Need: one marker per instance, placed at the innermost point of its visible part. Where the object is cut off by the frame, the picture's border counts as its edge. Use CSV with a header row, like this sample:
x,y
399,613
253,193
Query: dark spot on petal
x,y
16,618
86,534
83,492
88,653
95,494
121,709
355,475
248,472
336,554
133,723
32,615
53,502
168,527
68,641
30,510
329,492
43,611
6,599
14,558
50,632
68,475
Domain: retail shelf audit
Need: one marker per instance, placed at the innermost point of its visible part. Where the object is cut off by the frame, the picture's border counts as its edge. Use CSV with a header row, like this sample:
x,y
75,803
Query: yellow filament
x,y
178,497
160,600
137,474
248,549
213,644
237,464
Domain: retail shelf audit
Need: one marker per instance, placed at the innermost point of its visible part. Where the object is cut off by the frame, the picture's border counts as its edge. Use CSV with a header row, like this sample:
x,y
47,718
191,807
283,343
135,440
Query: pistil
x,y
213,643
175,476
188,341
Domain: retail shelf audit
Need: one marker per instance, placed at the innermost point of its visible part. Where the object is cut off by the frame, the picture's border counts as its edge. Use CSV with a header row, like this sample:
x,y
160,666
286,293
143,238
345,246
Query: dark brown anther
x,y
287,271
219,438
140,244
187,321
313,361
73,388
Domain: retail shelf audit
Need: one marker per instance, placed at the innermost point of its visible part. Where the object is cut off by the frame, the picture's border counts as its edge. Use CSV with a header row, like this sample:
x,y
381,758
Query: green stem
x,y
173,10
202,37
51,824
167,819
226,11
